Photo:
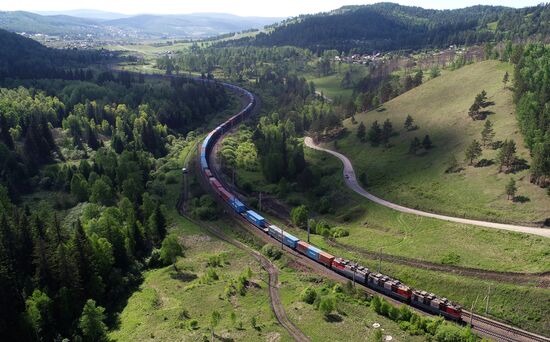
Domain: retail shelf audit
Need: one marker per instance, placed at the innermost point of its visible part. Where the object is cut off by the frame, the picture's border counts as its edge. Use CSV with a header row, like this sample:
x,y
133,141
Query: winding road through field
x,y
353,184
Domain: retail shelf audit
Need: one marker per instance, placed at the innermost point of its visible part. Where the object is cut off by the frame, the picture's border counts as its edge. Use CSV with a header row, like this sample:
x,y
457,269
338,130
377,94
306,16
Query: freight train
x,y
381,283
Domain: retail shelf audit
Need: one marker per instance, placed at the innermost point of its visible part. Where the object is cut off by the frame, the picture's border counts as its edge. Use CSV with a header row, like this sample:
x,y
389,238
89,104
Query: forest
x,y
92,142
532,97
395,27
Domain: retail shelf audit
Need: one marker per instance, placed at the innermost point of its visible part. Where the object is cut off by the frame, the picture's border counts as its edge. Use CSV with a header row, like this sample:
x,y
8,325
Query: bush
x,y
271,251
327,305
309,295
192,324
339,232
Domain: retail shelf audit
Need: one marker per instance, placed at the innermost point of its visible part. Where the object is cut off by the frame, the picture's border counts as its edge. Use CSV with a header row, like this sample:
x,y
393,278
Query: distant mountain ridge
x,y
98,24
390,26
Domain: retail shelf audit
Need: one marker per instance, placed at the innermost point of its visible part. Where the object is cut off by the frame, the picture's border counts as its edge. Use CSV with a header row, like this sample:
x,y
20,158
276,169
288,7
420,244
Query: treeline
x,y
388,26
532,97
51,268
40,61
88,115
239,64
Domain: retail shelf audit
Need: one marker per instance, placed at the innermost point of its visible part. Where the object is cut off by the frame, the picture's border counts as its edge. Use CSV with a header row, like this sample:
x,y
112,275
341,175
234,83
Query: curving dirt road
x,y
353,184
273,272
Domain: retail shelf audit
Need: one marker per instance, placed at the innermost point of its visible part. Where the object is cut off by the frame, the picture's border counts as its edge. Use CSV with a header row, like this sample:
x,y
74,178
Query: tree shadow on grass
x,y
183,276
521,199
484,163
333,318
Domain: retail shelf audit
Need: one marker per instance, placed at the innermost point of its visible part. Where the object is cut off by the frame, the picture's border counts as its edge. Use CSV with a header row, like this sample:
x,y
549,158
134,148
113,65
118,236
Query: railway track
x,y
483,326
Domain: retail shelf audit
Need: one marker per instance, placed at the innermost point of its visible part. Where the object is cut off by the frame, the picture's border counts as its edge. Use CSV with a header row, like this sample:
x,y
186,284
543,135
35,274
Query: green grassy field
x,y
167,301
439,107
330,85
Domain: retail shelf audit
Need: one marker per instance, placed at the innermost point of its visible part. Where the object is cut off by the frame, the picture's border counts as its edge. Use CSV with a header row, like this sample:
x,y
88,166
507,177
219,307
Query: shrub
x,y
192,324
309,295
271,251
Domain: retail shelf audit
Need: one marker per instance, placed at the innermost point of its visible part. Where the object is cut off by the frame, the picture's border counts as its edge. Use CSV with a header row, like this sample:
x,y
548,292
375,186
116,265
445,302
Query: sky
x,y
270,8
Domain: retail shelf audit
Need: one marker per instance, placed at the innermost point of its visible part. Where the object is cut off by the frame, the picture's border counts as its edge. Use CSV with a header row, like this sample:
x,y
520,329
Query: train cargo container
x,y
288,239
226,195
237,205
308,250
255,218
204,163
325,258
215,183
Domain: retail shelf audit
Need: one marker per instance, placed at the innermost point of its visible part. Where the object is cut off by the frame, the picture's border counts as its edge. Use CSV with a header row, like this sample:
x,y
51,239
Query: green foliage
x,y
511,188
271,251
507,155
299,216
92,322
327,305
170,250
309,295
473,151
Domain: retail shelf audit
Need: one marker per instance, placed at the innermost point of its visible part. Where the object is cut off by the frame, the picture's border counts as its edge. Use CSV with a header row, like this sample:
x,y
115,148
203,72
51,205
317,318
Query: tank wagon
x,y
359,274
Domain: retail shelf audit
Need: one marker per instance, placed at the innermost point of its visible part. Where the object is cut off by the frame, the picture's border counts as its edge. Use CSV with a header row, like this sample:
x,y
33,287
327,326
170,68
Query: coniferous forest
x,y
91,137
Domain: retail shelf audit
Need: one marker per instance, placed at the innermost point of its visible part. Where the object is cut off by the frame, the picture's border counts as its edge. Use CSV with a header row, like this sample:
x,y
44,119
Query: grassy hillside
x,y
439,107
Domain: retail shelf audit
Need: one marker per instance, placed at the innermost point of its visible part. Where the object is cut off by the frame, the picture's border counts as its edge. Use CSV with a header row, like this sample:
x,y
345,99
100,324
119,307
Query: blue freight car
x,y
255,218
288,239
237,205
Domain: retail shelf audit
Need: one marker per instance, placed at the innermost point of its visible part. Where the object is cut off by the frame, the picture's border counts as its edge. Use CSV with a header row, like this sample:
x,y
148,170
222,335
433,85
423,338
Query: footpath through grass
x,y
440,109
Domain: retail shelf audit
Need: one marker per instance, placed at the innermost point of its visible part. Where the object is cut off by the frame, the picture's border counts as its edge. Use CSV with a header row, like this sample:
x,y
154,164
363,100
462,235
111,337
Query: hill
x,y
440,109
39,61
101,25
87,13
388,26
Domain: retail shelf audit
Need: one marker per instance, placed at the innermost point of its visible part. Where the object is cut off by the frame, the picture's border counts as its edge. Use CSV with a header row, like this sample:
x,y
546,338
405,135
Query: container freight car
x,y
287,239
255,218
389,286
237,205
314,253
351,270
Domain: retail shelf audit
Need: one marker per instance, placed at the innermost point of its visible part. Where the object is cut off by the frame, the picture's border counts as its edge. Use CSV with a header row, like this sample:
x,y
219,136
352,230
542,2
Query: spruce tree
x,y
361,131
511,188
473,152
487,134
92,323
409,123
375,134
427,142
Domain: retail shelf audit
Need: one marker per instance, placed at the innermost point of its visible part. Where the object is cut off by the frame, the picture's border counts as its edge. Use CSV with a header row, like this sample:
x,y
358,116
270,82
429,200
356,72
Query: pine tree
x,y
415,145
506,79
473,152
387,131
427,142
375,133
409,123
361,131
507,155
92,323
5,134
452,164
511,188
487,134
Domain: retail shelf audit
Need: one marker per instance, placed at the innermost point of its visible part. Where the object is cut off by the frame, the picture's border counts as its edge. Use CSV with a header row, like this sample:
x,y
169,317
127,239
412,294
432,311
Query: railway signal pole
x,y
260,202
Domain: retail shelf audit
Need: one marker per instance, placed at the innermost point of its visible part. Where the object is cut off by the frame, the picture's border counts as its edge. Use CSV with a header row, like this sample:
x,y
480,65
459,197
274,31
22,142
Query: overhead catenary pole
x,y
260,202
488,296
472,311
308,228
